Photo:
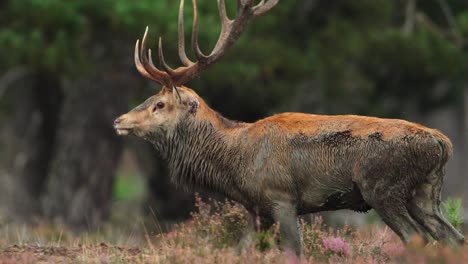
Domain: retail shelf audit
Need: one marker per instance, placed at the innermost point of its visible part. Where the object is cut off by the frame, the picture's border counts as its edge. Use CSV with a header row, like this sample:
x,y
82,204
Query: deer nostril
x,y
117,121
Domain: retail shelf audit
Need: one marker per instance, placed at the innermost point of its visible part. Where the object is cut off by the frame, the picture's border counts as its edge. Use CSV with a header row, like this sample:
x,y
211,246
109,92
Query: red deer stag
x,y
292,163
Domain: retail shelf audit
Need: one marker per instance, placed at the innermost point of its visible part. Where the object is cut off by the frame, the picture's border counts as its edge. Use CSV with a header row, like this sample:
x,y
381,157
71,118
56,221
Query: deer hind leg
x,y
389,199
425,208
254,222
247,236
394,213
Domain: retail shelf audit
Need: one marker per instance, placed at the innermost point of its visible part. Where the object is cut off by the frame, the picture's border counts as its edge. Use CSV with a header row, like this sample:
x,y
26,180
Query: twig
x,y
451,21
426,21
410,13
452,33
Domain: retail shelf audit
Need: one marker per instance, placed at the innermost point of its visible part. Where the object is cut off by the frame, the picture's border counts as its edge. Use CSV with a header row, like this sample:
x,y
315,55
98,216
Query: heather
x,y
210,236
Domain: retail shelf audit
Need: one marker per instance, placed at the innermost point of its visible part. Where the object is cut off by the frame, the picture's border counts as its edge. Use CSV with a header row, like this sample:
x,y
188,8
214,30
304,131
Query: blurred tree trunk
x,y
465,140
80,182
38,103
165,201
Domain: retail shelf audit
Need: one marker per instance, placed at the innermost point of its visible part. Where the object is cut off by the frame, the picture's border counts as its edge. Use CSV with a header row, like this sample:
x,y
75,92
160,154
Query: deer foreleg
x,y
285,215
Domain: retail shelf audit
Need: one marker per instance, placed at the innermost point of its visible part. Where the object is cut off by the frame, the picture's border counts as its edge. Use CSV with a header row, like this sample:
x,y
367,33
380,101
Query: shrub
x,y
336,245
454,211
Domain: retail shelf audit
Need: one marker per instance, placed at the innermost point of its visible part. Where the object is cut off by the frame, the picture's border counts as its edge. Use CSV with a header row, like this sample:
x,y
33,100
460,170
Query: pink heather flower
x,y
336,245
393,249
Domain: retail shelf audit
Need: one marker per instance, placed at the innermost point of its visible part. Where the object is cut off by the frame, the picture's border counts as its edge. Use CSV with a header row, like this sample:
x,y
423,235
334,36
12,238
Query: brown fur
x,y
293,163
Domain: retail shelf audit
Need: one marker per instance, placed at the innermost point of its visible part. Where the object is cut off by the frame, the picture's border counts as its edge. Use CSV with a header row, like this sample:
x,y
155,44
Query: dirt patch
x,y
36,254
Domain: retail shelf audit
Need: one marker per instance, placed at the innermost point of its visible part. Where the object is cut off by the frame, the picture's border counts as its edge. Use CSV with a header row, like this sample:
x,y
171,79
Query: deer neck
x,y
206,153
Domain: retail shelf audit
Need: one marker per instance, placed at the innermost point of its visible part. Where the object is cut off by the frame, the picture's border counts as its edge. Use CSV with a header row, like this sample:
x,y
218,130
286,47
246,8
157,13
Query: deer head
x,y
162,112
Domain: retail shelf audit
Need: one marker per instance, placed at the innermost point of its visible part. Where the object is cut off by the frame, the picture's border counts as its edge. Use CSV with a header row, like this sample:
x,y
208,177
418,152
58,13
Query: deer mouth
x,y
121,128
123,131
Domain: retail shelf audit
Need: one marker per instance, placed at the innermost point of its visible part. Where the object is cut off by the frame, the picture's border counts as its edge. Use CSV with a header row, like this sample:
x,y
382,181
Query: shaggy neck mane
x,y
204,152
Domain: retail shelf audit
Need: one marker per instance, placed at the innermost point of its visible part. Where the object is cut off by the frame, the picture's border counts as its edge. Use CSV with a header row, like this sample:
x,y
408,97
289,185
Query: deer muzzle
x,y
121,127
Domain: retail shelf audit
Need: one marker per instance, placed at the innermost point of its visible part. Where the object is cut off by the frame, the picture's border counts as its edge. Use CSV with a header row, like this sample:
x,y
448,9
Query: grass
x,y
454,211
210,237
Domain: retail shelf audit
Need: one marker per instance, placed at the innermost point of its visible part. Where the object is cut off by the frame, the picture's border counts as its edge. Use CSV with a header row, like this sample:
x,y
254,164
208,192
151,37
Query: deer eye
x,y
159,105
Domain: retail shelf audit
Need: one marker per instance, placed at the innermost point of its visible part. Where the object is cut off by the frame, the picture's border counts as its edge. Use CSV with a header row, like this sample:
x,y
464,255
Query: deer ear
x,y
166,89
193,106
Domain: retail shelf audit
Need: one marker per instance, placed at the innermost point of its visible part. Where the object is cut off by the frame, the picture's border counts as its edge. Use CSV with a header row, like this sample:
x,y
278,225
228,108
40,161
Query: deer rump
x,y
337,170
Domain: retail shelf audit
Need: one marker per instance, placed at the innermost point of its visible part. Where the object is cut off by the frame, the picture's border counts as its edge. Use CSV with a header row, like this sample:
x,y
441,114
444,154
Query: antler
x,y
230,33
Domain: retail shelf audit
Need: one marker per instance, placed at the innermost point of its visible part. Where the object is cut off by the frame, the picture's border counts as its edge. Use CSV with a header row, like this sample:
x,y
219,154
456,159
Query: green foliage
x,y
322,54
59,35
454,211
266,240
128,187
374,63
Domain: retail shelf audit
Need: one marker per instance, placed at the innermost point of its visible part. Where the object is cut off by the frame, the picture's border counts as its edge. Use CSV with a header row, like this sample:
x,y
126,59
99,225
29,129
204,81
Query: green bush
x,y
454,211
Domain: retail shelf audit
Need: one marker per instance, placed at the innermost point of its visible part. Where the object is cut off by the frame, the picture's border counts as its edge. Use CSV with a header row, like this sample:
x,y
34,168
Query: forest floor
x,y
210,237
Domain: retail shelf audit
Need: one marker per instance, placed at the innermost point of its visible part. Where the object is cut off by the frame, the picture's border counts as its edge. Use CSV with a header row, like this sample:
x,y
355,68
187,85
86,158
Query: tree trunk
x,y
38,103
79,187
464,146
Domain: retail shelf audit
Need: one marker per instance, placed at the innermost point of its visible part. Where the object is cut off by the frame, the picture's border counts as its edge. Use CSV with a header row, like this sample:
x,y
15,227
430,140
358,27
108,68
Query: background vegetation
x,y
66,72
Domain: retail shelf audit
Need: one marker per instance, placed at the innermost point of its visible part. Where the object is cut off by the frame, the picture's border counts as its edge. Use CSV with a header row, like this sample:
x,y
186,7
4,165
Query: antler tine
x,y
182,55
143,44
222,14
225,26
162,62
200,56
263,7
243,4
138,64
157,75
239,6
166,81
150,58
231,30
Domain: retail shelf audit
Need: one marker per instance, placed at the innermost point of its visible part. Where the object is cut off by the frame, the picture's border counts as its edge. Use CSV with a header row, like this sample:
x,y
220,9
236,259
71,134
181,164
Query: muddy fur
x,y
292,164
